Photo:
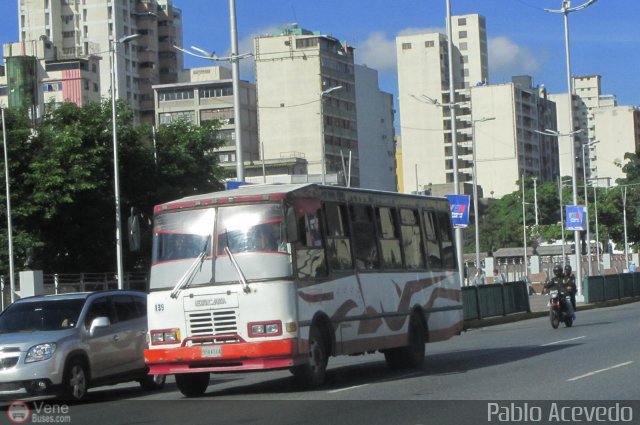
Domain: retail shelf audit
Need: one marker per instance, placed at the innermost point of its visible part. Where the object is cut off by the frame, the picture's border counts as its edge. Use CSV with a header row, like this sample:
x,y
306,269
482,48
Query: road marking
x,y
406,375
564,340
346,389
599,371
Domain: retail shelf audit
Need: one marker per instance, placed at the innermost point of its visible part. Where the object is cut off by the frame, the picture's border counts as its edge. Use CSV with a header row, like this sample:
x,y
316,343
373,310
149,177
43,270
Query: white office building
x,y
423,77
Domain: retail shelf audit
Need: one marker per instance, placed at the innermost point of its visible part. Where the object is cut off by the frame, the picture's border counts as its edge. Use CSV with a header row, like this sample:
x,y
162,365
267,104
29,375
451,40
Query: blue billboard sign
x,y
459,205
575,217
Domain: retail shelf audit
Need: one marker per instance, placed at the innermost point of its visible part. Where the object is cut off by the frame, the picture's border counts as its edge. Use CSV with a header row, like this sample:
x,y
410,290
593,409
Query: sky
x,y
523,38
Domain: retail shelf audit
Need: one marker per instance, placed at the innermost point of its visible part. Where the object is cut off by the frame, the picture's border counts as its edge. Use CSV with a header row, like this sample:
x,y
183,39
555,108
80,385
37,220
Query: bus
x,y
285,276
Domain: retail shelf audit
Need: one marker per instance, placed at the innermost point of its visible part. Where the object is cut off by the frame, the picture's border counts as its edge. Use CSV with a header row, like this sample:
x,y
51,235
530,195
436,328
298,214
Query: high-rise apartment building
x,y
507,121
423,78
601,120
307,100
86,28
376,145
503,119
617,130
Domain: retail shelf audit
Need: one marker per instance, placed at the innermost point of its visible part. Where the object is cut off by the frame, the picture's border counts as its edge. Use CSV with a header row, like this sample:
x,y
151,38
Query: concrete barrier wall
x,y
497,299
611,287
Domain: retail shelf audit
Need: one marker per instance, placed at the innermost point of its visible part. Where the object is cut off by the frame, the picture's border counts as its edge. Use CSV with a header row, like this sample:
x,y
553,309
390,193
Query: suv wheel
x,y
76,381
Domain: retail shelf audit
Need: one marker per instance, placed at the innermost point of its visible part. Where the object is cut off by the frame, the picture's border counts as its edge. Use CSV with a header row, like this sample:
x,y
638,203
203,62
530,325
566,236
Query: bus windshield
x,y
250,228
182,235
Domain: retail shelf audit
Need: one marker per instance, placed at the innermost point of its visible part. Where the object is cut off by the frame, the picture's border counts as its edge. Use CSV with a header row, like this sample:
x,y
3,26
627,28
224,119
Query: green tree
x,y
62,188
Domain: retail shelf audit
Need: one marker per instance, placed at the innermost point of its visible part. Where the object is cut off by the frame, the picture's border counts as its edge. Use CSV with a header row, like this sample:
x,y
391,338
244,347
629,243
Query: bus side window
x,y
364,237
310,256
338,242
433,245
448,254
389,237
411,239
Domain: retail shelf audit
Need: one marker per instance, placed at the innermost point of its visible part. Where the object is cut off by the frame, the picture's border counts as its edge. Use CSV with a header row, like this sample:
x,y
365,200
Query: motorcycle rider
x,y
570,285
558,282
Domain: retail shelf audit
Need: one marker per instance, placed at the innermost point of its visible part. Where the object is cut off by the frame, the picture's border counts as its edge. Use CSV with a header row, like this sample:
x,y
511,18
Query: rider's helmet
x,y
567,270
557,270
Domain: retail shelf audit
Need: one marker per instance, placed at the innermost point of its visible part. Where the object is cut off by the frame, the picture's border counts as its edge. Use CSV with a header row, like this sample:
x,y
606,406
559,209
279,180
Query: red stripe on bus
x,y
223,200
229,352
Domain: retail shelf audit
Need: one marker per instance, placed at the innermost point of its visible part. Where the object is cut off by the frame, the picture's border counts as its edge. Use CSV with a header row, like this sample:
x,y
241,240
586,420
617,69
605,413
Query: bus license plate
x,y
211,351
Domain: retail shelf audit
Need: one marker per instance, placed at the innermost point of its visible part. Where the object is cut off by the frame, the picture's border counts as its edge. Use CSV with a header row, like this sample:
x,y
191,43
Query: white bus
x,y
284,276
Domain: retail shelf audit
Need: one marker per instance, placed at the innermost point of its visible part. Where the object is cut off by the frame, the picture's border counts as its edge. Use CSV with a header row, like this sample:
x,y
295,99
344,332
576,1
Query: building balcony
x,y
147,56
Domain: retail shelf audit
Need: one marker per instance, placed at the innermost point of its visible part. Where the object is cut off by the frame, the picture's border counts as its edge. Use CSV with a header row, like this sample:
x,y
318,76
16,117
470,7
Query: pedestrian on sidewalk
x,y
480,278
498,277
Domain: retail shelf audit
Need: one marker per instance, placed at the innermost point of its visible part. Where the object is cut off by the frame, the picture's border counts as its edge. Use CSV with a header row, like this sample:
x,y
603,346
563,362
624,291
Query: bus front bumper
x,y
220,358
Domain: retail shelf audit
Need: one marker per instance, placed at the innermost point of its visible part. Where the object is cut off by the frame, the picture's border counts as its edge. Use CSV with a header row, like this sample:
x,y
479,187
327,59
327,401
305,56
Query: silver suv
x,y
67,343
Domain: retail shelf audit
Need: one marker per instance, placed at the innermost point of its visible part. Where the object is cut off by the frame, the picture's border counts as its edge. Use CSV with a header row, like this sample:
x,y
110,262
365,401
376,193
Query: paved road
x,y
596,359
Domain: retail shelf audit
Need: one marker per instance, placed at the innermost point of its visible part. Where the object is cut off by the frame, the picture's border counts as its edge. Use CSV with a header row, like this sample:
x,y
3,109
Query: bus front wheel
x,y
192,384
411,355
311,374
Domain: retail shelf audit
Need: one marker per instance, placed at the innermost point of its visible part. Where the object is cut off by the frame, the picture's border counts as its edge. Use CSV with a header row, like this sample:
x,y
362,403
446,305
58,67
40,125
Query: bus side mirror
x,y
292,225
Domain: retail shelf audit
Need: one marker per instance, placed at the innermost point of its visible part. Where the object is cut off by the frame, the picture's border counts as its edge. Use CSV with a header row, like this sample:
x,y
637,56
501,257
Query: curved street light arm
x,y
567,9
212,56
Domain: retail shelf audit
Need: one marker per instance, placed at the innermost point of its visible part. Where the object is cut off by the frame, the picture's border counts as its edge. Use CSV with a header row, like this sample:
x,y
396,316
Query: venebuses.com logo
x,y
19,412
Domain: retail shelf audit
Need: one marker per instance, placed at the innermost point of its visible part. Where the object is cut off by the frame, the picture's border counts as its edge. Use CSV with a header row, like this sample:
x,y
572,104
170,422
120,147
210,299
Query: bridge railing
x,y
61,283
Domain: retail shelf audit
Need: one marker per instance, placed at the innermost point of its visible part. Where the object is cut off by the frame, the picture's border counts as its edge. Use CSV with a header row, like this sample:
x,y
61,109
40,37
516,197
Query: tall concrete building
x,y
617,130
88,27
599,118
423,77
375,116
503,119
204,94
509,144
306,90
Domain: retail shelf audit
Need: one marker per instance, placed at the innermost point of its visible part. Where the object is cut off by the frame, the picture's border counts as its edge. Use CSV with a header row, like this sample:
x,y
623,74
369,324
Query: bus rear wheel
x,y
192,384
311,374
411,355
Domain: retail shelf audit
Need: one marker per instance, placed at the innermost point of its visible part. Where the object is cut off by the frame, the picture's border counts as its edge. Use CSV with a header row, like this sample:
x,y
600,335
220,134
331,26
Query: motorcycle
x,y
560,309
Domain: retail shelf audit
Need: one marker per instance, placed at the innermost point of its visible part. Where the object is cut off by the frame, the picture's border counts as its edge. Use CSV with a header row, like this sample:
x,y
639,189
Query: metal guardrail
x,y
498,299
79,282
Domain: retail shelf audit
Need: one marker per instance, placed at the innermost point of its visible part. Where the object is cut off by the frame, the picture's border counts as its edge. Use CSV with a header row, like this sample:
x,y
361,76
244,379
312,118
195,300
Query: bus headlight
x,y
165,336
263,329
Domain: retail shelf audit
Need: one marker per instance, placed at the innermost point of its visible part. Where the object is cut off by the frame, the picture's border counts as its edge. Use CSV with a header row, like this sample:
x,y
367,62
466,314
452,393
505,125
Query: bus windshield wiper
x,y
241,278
188,275
236,266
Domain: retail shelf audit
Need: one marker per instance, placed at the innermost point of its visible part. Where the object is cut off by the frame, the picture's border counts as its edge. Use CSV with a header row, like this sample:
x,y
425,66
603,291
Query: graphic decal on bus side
x,y
372,319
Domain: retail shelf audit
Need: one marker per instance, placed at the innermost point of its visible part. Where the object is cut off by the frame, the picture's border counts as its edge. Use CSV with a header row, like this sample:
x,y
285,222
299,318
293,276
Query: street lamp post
x,y
565,10
458,231
624,220
595,206
576,234
322,142
116,171
586,202
12,283
234,58
564,258
475,186
454,141
535,199
524,229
